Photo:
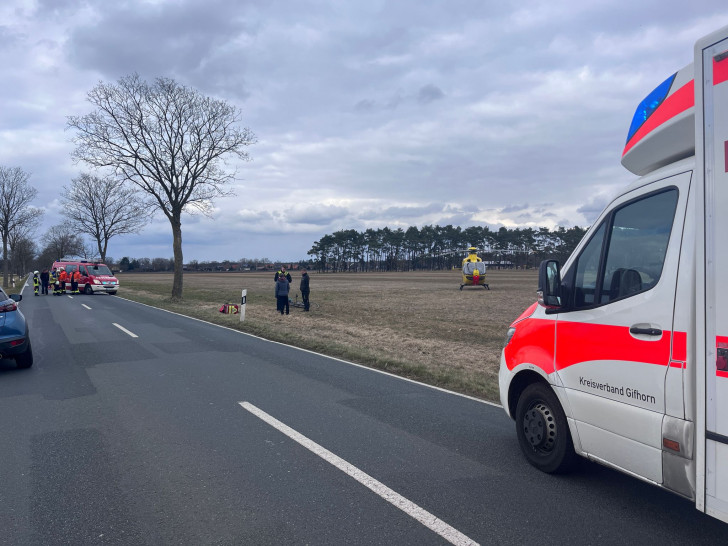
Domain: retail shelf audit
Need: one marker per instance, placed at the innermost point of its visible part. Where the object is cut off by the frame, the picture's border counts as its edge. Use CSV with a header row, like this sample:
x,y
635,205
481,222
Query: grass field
x,y
416,324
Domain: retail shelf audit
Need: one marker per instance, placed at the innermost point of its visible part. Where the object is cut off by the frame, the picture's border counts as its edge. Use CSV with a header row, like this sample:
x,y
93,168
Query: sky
x,y
368,114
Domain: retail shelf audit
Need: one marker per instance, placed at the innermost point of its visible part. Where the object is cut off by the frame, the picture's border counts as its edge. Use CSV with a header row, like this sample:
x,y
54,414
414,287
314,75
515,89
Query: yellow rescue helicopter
x,y
473,270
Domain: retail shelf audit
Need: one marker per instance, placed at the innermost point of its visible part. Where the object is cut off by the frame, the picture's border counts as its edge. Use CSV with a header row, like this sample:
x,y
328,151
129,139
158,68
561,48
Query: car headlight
x,y
509,335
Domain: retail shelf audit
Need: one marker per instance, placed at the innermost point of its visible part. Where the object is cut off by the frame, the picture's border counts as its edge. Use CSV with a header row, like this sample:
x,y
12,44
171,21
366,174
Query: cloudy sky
x,y
367,113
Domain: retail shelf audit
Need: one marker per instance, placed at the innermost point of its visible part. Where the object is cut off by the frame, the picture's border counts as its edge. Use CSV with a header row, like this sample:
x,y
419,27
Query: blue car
x,y
14,334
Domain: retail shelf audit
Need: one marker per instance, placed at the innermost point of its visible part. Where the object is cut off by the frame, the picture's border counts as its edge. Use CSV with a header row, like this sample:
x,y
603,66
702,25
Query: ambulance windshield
x,y
100,269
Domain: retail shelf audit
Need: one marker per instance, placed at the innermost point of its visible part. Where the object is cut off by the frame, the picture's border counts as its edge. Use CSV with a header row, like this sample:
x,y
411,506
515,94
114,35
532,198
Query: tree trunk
x,y
6,264
102,250
176,222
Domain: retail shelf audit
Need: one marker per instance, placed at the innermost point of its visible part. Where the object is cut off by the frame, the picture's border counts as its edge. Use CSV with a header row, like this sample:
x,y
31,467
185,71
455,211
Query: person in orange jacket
x,y
63,277
75,276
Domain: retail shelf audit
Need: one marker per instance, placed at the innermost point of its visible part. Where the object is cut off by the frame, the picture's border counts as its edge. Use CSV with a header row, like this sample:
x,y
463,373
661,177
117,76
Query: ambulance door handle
x,y
645,331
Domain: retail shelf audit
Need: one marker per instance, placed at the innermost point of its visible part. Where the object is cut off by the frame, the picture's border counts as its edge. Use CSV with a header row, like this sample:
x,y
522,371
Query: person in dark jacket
x,y
282,289
304,287
282,272
45,278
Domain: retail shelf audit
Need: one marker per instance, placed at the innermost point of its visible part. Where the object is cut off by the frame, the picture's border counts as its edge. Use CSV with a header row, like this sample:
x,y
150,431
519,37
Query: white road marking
x,y
86,306
124,330
433,523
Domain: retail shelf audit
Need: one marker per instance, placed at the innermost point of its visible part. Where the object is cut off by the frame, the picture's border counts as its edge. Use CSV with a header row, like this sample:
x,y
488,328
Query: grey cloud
x,y
411,211
514,208
593,208
364,105
429,93
394,102
317,215
45,8
159,40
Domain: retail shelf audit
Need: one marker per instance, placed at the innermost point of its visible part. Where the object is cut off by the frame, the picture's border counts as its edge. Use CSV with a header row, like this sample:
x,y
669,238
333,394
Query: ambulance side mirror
x,y
549,284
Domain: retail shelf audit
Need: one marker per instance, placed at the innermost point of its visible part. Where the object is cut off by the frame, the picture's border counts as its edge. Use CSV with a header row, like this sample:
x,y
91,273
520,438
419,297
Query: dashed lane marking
x,y
124,330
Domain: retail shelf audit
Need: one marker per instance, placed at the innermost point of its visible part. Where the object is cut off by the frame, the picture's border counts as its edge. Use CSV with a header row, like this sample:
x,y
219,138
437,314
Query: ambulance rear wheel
x,y
542,429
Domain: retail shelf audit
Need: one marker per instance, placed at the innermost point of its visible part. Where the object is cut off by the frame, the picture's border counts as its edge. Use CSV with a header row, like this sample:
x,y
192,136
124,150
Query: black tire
x,y
88,290
25,360
543,431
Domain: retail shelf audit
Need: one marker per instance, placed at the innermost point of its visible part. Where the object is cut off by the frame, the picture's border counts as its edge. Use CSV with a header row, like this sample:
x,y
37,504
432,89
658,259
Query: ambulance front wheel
x,y
88,290
542,429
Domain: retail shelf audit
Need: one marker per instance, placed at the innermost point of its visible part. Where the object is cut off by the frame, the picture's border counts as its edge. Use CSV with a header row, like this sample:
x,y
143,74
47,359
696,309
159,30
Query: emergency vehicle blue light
x,y
649,105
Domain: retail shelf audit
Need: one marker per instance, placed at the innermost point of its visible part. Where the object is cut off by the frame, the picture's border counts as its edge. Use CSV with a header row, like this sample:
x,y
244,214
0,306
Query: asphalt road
x,y
114,439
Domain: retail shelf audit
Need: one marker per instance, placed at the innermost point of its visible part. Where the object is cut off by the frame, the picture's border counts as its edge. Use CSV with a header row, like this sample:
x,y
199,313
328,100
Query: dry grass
x,y
418,325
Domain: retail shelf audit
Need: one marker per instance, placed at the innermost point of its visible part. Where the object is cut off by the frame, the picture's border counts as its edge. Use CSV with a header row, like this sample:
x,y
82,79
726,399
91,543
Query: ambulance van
x,y
95,277
624,358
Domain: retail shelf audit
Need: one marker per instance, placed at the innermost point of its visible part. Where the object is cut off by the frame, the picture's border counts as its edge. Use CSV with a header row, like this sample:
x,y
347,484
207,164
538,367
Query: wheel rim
x,y
539,427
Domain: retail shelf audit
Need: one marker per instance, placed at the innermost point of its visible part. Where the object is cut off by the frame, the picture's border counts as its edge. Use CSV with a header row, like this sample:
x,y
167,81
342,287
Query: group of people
x,y
58,278
283,288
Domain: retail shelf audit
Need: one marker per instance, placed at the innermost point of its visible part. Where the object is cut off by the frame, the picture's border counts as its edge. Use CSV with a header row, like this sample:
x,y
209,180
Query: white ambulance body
x,y
624,359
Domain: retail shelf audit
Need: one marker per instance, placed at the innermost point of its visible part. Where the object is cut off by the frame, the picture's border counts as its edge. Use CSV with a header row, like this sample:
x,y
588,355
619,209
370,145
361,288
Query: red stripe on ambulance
x,y
534,341
720,69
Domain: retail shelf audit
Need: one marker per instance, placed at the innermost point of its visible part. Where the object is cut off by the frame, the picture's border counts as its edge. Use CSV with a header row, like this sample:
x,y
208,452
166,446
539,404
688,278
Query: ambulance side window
x,y
639,237
587,270
83,271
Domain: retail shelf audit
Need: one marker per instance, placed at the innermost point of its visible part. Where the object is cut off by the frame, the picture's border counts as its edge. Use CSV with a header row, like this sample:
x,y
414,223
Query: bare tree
x,y
63,241
166,138
23,252
16,214
104,208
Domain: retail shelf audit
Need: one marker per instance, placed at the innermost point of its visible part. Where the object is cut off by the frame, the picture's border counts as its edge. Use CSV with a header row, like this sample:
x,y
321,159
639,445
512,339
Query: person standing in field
x,y
282,272
282,289
304,287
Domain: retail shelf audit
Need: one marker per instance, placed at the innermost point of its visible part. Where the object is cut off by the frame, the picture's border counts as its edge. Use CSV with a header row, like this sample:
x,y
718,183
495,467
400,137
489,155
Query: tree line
x,y
441,247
